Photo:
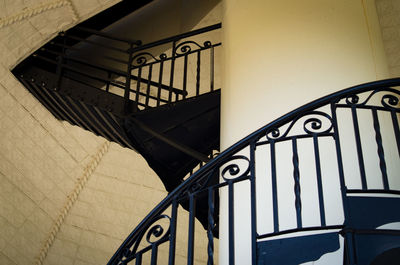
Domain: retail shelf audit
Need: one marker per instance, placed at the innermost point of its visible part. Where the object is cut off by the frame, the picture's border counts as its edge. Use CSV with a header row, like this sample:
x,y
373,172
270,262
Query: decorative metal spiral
x,y
391,102
157,230
388,101
163,56
141,59
152,230
272,134
187,46
314,124
207,44
352,99
234,169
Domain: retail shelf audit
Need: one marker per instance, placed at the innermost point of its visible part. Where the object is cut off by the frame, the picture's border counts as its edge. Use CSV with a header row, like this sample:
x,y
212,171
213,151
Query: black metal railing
x,y
319,137
146,74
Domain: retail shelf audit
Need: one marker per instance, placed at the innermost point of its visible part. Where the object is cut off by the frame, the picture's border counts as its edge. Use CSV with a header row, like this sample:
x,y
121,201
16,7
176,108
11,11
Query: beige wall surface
x,y
66,195
41,159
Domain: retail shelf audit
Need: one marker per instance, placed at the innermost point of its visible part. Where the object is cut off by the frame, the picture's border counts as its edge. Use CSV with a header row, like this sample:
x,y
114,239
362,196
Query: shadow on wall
x,y
157,20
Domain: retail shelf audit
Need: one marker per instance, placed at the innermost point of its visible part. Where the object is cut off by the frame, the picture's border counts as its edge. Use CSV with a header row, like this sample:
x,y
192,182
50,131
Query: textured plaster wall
x,y
42,159
389,18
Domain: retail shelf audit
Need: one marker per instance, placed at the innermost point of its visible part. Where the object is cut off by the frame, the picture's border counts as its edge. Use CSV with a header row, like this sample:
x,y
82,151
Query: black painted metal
x,y
319,180
192,212
237,165
211,223
62,57
378,138
359,147
296,176
112,100
274,186
289,251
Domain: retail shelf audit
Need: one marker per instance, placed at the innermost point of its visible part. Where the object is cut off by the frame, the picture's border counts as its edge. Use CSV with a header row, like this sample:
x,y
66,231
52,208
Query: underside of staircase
x,y
158,134
137,104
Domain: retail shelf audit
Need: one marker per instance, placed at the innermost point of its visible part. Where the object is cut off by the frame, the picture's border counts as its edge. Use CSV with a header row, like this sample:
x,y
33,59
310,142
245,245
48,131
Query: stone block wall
x,y
389,18
42,159
45,163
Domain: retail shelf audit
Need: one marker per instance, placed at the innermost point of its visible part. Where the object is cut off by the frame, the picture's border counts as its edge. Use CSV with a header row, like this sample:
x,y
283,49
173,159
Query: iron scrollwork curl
x,y
312,125
315,125
153,232
235,170
142,58
388,101
391,102
186,47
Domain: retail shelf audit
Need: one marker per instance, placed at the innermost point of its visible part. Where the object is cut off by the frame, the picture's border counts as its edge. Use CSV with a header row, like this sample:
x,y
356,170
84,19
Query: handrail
x,y
203,175
176,37
148,79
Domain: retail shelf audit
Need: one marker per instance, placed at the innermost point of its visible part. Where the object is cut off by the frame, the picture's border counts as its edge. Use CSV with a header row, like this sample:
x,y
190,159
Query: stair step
x,y
192,123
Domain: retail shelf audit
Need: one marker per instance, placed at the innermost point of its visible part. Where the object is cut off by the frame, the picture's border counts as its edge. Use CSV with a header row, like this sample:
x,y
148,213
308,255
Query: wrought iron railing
x,y
322,126
146,74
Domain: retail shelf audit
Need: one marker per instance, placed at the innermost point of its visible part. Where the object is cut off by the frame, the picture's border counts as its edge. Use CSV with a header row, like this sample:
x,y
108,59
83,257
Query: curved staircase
x,y
161,100
365,209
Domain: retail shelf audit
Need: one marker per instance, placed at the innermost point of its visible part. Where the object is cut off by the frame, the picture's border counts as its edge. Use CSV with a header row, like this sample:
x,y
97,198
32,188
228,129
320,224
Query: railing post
x,y
128,79
171,80
172,244
253,203
212,69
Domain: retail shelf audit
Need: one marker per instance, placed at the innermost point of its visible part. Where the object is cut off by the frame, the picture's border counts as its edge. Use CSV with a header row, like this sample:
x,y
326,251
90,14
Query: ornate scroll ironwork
x,y
232,166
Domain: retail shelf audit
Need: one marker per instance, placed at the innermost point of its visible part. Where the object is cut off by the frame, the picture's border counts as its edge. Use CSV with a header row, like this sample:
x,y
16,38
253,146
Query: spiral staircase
x,y
161,106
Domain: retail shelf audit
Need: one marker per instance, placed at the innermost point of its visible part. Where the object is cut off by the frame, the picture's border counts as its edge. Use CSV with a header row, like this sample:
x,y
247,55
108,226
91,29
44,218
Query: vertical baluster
x,y
160,76
339,157
231,223
212,69
359,148
148,85
172,237
176,96
210,248
128,79
139,78
185,62
198,74
319,181
154,254
396,129
381,153
296,176
138,259
192,214
274,187
171,80
253,202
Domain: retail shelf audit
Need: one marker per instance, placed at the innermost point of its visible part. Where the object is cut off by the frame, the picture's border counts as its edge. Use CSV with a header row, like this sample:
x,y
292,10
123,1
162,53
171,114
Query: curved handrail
x,y
207,170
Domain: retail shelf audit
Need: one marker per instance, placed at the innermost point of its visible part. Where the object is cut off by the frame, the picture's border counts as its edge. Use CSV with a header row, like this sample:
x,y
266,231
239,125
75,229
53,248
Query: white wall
x,y
277,57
